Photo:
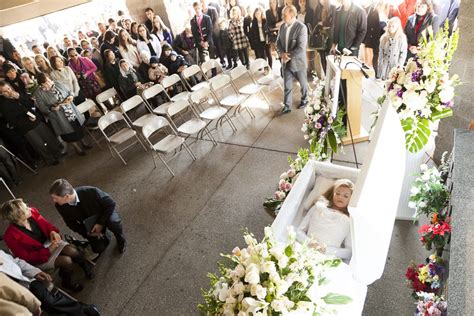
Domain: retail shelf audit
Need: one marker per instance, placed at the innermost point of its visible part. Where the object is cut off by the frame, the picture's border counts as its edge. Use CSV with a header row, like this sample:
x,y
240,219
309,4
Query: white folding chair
x,y
191,71
91,124
211,113
120,136
269,80
166,145
154,91
134,104
193,126
249,89
111,96
172,82
233,100
209,65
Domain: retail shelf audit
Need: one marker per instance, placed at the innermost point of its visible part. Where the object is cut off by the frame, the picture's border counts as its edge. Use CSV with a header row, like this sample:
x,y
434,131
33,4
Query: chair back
x,y
191,71
152,91
209,65
257,65
108,119
86,106
219,82
131,103
200,95
177,107
105,96
238,72
171,80
154,124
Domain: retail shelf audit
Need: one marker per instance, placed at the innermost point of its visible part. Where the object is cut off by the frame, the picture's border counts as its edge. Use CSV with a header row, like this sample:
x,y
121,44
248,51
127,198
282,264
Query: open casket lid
x,y
374,202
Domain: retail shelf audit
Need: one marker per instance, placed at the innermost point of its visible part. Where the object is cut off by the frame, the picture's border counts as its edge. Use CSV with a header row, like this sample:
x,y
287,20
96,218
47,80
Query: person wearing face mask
x,y
418,23
328,221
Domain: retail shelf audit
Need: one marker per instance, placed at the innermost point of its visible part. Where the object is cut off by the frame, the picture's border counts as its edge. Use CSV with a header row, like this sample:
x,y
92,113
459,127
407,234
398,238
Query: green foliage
x,y
332,298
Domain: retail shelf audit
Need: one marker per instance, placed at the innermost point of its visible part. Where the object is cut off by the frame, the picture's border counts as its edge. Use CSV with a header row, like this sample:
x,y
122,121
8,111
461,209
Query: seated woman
x,y
328,220
32,238
129,81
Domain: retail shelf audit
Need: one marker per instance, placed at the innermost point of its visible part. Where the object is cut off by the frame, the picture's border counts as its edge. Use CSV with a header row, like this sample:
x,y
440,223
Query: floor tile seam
x,y
183,230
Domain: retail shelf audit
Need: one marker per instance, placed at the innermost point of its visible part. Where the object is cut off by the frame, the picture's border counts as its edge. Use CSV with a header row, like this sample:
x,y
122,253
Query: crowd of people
x,y
38,247
39,93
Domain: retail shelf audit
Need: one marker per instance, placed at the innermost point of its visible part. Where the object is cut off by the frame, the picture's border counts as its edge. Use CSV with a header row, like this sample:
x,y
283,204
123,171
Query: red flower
x,y
425,229
441,229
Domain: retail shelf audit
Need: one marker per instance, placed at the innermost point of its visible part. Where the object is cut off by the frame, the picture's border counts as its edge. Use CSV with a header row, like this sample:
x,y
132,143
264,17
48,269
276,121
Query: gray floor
x,y
177,227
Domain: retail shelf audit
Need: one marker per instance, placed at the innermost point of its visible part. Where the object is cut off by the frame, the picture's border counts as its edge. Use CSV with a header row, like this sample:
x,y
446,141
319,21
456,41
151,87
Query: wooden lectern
x,y
348,68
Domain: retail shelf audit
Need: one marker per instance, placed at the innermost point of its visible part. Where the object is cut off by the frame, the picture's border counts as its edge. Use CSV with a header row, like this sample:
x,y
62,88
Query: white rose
x,y
414,191
252,275
249,240
242,313
423,167
278,306
281,287
446,94
422,204
283,262
223,293
412,204
284,175
259,291
268,267
304,306
268,232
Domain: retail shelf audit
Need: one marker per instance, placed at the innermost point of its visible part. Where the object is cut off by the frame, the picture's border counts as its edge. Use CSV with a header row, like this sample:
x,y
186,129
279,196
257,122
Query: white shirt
x,y
287,35
260,32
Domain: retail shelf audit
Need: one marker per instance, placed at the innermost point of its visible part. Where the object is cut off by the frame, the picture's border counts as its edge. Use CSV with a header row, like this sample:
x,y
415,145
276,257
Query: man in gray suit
x,y
291,45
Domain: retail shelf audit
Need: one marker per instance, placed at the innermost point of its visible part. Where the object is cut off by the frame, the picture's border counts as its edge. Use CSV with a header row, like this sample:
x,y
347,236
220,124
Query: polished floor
x,y
177,227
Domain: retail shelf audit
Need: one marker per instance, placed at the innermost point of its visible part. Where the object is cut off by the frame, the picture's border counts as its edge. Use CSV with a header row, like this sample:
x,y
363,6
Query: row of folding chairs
x,y
201,100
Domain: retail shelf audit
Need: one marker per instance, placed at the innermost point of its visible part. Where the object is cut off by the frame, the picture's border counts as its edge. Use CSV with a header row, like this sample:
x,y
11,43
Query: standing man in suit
x,y
88,211
291,43
201,27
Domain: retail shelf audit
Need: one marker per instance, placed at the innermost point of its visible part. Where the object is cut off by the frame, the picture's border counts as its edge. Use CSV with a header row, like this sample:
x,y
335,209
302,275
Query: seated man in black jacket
x,y
88,211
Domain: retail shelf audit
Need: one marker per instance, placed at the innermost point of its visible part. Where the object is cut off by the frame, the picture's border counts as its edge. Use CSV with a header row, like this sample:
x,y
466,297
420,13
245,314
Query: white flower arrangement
x,y
422,91
322,130
270,278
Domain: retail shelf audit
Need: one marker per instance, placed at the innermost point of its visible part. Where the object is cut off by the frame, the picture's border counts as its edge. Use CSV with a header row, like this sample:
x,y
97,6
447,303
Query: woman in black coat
x,y
417,23
259,36
112,71
372,37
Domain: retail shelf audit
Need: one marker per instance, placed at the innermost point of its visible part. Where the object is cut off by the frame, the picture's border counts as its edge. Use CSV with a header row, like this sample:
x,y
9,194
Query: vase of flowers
x,y
422,91
426,277
436,234
270,278
323,129
430,304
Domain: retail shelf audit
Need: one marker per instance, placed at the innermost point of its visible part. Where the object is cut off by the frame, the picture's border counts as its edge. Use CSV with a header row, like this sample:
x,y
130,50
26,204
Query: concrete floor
x,y
177,227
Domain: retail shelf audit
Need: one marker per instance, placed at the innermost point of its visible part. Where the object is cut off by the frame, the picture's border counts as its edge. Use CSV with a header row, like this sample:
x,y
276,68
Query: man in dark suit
x,y
201,27
87,206
291,45
350,27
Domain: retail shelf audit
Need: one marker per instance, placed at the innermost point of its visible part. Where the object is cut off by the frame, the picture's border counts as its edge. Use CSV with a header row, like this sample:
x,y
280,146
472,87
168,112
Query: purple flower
x,y
449,104
416,75
400,93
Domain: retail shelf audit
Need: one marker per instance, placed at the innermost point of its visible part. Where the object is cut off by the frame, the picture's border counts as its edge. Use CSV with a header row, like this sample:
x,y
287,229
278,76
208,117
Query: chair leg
x,y
140,141
153,156
189,151
166,165
250,112
93,138
111,151
268,102
120,156
208,132
230,123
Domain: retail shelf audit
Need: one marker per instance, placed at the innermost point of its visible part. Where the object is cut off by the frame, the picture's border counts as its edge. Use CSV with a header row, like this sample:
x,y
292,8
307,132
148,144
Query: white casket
x,y
373,208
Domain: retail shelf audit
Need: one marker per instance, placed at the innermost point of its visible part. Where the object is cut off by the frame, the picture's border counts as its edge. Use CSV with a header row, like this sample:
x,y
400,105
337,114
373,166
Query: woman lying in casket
x,y
328,222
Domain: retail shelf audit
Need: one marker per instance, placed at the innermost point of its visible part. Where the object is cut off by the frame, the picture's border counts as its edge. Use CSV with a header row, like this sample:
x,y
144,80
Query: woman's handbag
x,y
318,37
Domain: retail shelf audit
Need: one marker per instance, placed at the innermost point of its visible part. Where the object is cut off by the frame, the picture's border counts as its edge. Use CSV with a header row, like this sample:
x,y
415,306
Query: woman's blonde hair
x,y
329,194
35,67
13,210
399,34
48,65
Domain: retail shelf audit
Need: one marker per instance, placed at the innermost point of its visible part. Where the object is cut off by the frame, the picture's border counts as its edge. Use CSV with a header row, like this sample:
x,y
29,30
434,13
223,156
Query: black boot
x,y
86,266
90,310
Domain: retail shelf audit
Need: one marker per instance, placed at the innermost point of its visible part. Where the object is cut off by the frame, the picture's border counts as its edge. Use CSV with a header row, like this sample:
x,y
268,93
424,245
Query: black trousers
x,y
44,142
114,224
243,56
55,302
263,50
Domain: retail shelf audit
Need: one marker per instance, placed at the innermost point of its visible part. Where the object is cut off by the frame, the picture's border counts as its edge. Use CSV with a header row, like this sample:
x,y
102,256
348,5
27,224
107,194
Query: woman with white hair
x,y
328,221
